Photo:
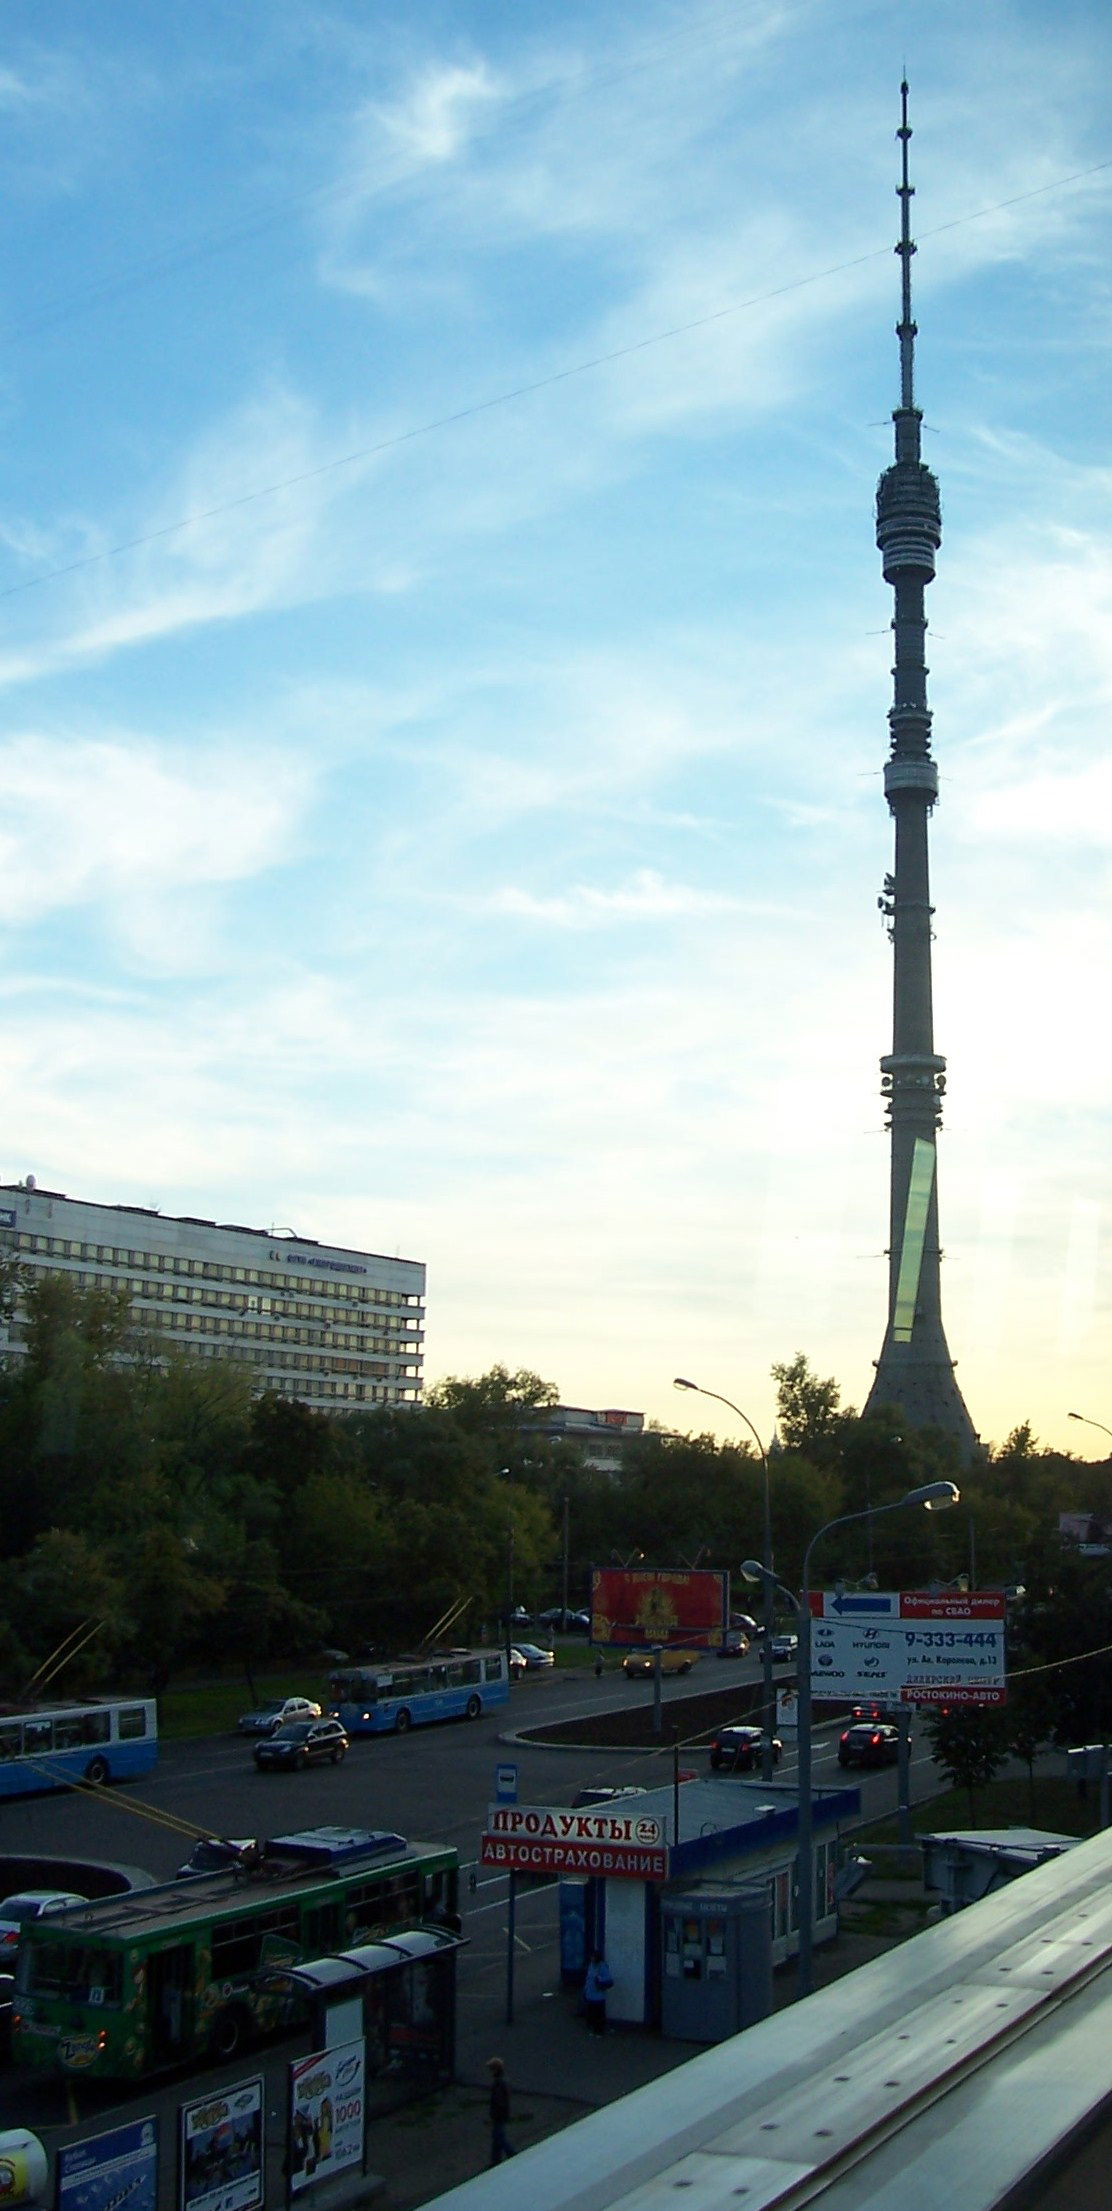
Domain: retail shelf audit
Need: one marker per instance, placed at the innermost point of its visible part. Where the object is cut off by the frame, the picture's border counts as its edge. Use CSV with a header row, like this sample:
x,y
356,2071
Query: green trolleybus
x,y
125,1987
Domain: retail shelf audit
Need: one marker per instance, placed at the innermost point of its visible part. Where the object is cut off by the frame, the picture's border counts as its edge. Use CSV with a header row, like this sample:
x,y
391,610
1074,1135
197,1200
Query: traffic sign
x,y
505,1784
908,1647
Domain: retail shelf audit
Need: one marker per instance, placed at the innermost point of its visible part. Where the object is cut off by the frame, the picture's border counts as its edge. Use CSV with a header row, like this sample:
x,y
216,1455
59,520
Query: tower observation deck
x,y
915,1372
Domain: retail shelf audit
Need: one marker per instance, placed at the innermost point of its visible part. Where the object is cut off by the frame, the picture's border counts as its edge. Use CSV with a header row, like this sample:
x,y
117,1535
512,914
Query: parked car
x,y
520,1618
7,1991
302,1743
784,1646
738,1749
270,1716
748,1625
528,1658
566,1622
27,1904
674,1661
214,1853
869,1743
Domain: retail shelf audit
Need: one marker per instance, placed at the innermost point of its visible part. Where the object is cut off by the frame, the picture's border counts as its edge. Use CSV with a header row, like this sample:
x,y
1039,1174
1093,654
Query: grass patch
x,y
1053,1804
213,1707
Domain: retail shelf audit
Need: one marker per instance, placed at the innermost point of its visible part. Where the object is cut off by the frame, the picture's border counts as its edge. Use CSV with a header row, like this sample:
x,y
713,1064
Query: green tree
x,y
970,1744
1030,1717
809,1414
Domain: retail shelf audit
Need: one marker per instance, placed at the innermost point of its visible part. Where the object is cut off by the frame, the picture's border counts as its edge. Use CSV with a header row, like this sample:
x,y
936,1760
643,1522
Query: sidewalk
x,y
558,2072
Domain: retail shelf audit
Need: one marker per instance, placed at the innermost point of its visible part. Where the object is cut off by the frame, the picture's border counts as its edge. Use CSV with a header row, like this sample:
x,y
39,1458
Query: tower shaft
x,y
915,1372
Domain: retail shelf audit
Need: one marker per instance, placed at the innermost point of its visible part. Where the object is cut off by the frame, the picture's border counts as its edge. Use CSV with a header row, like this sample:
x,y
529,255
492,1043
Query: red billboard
x,y
640,1606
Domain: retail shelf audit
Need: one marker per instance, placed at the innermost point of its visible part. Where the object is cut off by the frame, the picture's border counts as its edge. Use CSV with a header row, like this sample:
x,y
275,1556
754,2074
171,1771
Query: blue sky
x,y
444,659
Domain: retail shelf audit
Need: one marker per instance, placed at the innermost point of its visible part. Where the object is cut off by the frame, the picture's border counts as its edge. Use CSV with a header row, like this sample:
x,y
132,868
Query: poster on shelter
x,y
326,2115
110,2171
221,2167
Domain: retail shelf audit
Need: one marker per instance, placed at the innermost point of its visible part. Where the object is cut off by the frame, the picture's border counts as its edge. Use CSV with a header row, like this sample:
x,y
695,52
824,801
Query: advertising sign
x,y
537,1838
221,2164
327,2109
110,2169
908,1647
636,1606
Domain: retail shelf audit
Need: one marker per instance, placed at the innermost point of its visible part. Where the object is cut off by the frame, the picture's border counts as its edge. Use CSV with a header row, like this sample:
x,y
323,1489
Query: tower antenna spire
x,y
915,1373
907,330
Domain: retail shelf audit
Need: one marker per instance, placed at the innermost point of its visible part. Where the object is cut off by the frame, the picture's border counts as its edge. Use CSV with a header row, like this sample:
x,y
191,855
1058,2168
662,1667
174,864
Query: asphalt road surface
x,y
432,1785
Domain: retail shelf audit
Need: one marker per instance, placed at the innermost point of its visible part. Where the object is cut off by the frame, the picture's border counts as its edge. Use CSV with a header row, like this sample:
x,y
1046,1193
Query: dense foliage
x,y
191,1523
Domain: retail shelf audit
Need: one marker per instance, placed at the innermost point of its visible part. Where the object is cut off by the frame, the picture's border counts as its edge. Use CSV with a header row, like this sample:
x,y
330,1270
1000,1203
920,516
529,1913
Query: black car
x,y
869,1743
738,1749
302,1743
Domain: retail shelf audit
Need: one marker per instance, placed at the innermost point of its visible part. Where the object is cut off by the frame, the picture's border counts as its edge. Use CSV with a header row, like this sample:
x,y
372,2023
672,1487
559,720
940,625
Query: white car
x,y
28,1904
784,1646
270,1717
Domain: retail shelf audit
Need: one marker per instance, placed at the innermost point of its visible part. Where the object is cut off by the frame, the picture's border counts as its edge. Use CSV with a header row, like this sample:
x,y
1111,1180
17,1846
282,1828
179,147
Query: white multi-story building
x,y
333,1328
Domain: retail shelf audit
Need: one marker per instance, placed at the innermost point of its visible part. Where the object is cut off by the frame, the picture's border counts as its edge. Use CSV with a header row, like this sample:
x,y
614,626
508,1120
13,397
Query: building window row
x,y
335,1291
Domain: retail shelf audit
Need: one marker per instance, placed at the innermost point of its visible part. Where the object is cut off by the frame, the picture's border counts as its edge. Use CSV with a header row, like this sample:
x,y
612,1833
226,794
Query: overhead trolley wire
x,y
515,392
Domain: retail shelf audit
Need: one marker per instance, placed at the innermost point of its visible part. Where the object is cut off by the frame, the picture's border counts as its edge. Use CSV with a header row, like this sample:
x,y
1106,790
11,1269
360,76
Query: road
x,y
432,1785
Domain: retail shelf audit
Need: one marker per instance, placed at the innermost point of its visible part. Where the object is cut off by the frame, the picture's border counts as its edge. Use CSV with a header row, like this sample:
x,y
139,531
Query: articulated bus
x,y
409,1692
106,1739
125,1987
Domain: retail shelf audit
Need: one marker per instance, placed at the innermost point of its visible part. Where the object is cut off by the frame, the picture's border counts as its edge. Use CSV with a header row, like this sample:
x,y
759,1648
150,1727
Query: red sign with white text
x,y
538,1838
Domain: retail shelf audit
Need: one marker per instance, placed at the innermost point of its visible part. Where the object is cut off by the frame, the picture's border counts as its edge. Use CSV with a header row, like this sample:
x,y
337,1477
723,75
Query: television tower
x,y
914,1372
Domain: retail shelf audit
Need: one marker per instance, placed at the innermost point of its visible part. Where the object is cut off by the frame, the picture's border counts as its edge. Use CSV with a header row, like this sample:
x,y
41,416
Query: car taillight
x,y
876,1739
845,1738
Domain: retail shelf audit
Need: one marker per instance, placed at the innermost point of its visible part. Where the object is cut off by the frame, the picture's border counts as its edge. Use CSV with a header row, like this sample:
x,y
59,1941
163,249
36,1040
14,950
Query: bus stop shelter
x,y
398,1995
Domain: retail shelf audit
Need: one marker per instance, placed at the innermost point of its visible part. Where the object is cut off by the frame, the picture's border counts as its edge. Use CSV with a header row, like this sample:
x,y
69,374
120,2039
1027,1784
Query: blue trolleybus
x,y
106,1739
402,1693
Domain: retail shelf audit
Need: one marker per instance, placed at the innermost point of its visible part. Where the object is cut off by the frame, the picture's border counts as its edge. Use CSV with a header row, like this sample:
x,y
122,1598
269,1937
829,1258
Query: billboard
x,y
638,1606
326,2115
541,1838
221,2161
908,1647
106,2170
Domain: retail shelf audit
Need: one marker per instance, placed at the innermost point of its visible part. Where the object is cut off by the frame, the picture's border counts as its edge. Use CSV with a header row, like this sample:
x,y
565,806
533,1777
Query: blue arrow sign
x,y
863,1604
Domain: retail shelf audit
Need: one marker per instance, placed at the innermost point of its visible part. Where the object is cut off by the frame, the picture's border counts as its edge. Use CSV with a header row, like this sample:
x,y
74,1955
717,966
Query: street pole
x,y
806,1817
934,1497
509,1594
564,1578
768,1694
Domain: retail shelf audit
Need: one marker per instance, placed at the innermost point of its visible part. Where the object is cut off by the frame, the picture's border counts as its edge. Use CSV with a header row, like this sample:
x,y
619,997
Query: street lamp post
x,y
1087,1423
768,1717
934,1497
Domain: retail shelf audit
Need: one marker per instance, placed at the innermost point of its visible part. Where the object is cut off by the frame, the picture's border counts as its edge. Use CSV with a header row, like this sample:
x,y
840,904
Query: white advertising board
x,y
908,1647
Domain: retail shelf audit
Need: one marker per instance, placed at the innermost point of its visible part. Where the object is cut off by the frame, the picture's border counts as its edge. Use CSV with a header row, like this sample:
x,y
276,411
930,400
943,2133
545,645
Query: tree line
x,y
198,1525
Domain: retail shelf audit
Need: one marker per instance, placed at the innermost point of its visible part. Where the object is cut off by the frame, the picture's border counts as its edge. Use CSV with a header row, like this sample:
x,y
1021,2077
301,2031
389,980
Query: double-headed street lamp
x,y
768,1727
934,1497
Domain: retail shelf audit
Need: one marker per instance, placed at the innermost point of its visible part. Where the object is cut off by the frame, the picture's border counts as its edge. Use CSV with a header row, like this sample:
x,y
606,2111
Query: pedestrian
x,y
500,2145
598,1665
599,1979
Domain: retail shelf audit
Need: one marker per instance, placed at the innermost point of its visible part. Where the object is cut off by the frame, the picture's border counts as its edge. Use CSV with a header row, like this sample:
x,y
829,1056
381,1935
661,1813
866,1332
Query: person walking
x,y
598,1980
500,2144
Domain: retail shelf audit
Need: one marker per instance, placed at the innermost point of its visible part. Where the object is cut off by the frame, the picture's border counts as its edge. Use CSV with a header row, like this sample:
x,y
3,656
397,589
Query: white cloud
x,y
125,828
646,898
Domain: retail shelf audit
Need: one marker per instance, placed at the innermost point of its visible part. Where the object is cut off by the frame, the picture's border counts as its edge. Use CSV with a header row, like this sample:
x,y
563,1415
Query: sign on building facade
x,y
537,1838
